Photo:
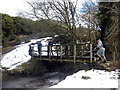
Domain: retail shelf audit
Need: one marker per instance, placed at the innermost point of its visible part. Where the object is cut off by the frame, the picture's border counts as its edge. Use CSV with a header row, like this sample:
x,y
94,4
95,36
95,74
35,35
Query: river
x,y
43,81
80,79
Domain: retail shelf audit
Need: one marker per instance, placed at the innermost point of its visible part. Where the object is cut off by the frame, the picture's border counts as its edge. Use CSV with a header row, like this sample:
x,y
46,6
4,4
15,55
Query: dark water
x,y
44,81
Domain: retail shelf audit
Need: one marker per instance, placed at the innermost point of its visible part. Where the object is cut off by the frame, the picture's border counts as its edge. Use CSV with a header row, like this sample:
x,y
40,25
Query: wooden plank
x,y
67,60
64,57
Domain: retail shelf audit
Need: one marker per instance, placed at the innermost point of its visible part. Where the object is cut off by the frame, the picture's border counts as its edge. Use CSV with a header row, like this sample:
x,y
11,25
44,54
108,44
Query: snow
x,y
20,55
98,79
16,57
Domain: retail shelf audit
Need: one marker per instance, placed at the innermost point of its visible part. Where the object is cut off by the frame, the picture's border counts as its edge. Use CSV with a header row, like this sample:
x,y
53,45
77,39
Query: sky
x,y
12,7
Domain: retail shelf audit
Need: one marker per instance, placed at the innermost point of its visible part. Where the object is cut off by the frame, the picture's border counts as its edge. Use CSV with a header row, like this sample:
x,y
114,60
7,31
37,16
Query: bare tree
x,y
89,18
89,11
63,11
66,14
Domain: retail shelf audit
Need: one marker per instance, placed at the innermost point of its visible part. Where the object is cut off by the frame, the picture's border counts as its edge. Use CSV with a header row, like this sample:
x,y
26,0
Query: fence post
x,y
82,52
91,54
50,48
61,47
68,50
74,53
40,54
57,51
48,51
94,59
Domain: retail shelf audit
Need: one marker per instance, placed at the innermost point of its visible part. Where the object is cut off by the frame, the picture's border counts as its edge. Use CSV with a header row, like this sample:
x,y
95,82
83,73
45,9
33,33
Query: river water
x,y
96,79
44,81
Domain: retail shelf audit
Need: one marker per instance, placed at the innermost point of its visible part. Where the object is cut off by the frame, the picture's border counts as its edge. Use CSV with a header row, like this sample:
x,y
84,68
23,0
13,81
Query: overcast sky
x,y
12,7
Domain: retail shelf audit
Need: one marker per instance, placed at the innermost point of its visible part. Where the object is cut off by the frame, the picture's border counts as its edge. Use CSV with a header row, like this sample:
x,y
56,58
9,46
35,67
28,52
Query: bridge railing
x,y
74,51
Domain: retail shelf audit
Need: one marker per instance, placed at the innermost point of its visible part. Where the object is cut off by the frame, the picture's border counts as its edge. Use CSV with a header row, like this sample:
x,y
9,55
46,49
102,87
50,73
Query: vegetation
x,y
108,21
17,29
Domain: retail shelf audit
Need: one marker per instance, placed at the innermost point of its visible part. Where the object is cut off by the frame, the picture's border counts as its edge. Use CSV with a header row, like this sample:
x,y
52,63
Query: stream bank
x,y
42,74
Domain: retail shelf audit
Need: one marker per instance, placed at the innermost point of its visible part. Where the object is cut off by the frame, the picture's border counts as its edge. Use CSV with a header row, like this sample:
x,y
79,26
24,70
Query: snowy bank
x,y
90,79
20,55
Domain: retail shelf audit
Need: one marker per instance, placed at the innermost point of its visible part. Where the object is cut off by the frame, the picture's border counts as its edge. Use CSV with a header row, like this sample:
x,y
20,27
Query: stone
x,y
86,77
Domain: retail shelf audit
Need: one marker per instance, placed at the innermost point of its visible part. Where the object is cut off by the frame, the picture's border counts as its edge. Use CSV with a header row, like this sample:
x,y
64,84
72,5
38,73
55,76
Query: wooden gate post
x,y
91,54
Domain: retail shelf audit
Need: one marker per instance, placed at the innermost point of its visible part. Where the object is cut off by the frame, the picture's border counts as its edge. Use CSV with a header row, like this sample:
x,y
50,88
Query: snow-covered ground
x,y
20,55
90,79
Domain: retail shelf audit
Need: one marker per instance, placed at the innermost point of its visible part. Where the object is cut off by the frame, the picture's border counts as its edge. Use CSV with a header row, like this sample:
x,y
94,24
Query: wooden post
x,y
50,48
74,46
48,51
40,55
91,54
57,51
95,59
61,47
68,50
113,55
82,50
